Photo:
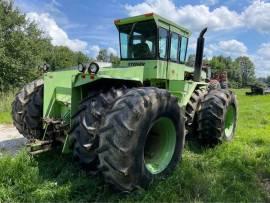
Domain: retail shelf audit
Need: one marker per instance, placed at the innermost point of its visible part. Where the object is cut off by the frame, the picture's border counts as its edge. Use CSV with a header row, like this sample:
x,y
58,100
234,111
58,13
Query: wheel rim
x,y
160,145
229,121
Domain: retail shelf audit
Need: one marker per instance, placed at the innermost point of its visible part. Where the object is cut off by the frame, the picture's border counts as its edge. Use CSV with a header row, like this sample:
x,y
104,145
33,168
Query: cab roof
x,y
160,21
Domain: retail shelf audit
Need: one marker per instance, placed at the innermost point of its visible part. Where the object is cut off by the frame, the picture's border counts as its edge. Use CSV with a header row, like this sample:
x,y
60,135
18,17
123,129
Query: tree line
x,y
105,56
240,71
24,47
265,80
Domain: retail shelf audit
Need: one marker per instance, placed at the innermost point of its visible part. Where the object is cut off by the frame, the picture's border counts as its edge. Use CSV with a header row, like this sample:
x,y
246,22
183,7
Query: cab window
x,y
138,40
174,47
183,49
163,41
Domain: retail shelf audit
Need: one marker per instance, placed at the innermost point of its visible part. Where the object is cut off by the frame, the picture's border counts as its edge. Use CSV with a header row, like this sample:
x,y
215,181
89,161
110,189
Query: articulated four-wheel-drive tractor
x,y
129,122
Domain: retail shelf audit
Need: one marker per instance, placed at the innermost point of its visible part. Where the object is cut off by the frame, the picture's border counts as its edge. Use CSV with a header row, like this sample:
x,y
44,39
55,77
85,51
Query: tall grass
x,y
6,99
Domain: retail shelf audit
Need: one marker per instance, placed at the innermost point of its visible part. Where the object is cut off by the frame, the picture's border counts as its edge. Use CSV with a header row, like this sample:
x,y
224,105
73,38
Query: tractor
x,y
258,89
128,122
217,79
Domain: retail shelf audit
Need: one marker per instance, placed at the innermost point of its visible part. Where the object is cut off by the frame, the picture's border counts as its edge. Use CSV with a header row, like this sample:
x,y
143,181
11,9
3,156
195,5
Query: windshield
x,y
138,40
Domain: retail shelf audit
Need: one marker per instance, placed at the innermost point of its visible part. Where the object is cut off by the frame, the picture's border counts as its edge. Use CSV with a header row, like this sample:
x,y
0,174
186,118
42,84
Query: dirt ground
x,y
10,140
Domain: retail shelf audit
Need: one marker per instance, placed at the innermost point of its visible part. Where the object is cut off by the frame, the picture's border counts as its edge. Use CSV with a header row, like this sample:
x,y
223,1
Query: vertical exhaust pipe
x,y
199,56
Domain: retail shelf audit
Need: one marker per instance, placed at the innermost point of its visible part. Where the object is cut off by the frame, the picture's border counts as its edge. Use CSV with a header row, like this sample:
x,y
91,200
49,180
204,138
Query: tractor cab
x,y
156,43
150,37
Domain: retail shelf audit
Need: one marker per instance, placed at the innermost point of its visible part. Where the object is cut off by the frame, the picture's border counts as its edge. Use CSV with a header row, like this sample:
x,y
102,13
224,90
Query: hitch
x,y
39,146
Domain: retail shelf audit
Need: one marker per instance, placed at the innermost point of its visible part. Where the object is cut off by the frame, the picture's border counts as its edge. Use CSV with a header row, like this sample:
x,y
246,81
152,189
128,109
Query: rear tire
x,y
27,110
141,138
192,108
217,117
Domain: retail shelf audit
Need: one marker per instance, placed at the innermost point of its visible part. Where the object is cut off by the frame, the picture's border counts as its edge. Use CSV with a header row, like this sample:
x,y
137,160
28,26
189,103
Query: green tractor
x,y
128,122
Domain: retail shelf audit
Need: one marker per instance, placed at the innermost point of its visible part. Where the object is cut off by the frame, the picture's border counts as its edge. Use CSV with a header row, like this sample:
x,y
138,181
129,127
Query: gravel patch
x,y
11,141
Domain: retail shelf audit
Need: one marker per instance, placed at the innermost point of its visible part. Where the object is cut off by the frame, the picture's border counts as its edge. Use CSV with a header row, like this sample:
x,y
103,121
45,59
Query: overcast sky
x,y
236,27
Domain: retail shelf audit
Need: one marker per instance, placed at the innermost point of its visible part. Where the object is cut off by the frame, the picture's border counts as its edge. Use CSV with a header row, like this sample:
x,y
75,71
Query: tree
x,y
62,57
247,69
103,55
23,48
268,80
238,75
19,48
114,59
191,60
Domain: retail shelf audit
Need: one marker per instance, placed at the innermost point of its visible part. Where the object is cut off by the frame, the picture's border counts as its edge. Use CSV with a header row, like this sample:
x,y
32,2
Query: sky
x,y
235,27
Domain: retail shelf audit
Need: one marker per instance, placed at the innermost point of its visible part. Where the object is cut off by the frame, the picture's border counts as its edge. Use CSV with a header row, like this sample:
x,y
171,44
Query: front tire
x,y
141,138
84,133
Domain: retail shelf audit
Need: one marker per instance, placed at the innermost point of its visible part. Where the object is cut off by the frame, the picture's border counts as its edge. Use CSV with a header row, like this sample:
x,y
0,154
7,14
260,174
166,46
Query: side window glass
x,y
174,46
183,50
163,38
124,44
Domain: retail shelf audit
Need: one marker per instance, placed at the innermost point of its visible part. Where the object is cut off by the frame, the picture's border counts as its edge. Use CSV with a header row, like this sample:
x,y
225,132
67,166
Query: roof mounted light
x,y
148,14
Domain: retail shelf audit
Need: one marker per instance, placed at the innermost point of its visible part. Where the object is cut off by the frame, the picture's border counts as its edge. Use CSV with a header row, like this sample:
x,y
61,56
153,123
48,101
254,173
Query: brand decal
x,y
136,64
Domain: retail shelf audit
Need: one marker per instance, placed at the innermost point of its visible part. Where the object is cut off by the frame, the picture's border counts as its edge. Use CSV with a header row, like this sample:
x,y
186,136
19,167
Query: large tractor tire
x,y
218,117
192,109
141,138
85,126
27,110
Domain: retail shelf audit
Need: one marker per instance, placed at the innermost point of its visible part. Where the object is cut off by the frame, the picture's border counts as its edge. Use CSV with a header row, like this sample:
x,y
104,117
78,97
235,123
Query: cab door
x,y
163,52
177,55
173,71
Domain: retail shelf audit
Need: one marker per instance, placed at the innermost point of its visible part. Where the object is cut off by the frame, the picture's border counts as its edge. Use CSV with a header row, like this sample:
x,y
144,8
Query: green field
x,y
232,172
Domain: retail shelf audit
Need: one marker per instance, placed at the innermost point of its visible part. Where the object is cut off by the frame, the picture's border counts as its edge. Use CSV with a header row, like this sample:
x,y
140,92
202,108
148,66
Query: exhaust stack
x,y
199,56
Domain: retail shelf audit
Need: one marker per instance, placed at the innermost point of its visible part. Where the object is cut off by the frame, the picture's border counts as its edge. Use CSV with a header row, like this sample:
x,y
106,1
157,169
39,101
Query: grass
x,y
5,106
233,172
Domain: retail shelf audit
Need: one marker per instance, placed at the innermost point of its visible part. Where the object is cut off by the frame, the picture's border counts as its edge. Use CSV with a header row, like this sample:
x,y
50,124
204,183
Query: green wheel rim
x,y
230,121
160,145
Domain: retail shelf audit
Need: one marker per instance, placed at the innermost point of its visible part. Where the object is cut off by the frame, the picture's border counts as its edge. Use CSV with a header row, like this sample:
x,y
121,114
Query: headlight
x,y
81,67
93,68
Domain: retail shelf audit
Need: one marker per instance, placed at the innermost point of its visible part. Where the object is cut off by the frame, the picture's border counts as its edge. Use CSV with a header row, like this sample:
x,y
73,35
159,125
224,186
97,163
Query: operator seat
x,y
141,50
